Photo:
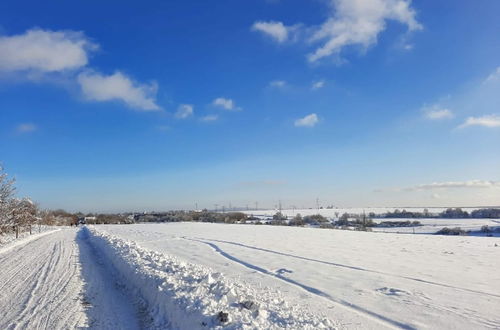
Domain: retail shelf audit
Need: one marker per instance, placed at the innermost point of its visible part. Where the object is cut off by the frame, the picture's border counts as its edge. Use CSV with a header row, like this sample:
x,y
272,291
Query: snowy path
x,y
109,306
56,281
40,284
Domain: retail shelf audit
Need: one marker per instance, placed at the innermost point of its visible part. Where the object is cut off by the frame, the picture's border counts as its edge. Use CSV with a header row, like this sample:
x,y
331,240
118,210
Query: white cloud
x,y
436,112
224,103
276,30
307,121
277,83
485,121
436,196
348,23
318,84
98,87
408,47
494,76
184,111
455,184
208,118
359,22
44,51
26,128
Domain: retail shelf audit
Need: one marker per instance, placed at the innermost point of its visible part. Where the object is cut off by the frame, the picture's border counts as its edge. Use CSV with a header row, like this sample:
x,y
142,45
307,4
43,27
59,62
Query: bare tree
x,y
15,213
7,191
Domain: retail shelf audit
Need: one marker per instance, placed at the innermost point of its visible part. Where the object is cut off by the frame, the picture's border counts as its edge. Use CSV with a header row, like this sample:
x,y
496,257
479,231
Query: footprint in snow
x,y
283,271
392,291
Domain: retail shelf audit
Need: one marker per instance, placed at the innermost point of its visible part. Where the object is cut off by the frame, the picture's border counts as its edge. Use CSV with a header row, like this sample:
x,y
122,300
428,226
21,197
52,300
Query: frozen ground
x,y
362,280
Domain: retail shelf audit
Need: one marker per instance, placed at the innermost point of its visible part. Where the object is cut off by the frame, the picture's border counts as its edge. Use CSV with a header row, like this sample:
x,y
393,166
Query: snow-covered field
x,y
183,275
431,226
356,279
336,212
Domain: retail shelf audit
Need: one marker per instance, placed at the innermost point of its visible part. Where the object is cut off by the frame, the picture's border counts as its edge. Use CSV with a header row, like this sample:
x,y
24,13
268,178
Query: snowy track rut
x,y
40,284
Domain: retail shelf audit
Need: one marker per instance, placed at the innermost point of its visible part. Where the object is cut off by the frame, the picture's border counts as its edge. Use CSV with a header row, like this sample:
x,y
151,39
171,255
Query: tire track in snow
x,y
358,309
356,268
109,305
40,284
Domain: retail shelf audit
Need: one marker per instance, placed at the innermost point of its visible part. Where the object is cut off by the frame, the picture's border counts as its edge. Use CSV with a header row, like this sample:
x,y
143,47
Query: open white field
x,y
431,226
359,280
336,212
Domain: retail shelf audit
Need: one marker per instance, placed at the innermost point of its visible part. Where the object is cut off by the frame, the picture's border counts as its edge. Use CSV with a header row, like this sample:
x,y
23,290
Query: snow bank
x,y
8,241
181,295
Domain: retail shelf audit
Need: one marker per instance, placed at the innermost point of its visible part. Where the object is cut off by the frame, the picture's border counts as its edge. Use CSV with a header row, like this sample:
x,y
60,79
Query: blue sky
x,y
109,106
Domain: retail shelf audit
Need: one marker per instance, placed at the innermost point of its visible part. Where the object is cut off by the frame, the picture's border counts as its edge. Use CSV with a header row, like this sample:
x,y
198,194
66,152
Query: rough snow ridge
x,y
181,295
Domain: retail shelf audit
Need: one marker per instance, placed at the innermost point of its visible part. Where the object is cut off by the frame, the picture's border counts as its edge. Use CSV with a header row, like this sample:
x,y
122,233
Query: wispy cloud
x,y
118,87
455,184
209,118
471,184
437,112
225,103
26,128
262,183
485,121
45,51
184,111
275,30
494,76
349,23
277,84
359,23
318,84
307,121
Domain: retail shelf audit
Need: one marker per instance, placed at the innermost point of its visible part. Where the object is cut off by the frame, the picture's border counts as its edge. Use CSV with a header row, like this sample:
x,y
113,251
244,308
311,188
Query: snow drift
x,y
181,295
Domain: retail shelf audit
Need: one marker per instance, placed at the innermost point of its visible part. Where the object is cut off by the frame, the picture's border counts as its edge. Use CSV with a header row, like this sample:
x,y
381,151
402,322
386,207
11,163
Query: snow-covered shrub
x,y
486,229
451,231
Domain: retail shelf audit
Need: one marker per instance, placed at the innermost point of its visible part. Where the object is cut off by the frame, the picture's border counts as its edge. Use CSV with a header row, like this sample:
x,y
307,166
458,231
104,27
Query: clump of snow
x,y
178,294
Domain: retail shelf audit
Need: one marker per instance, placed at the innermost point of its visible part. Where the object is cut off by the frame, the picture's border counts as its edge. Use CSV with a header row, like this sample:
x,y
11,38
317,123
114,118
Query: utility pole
x,y
196,206
223,209
317,203
229,209
216,207
256,206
